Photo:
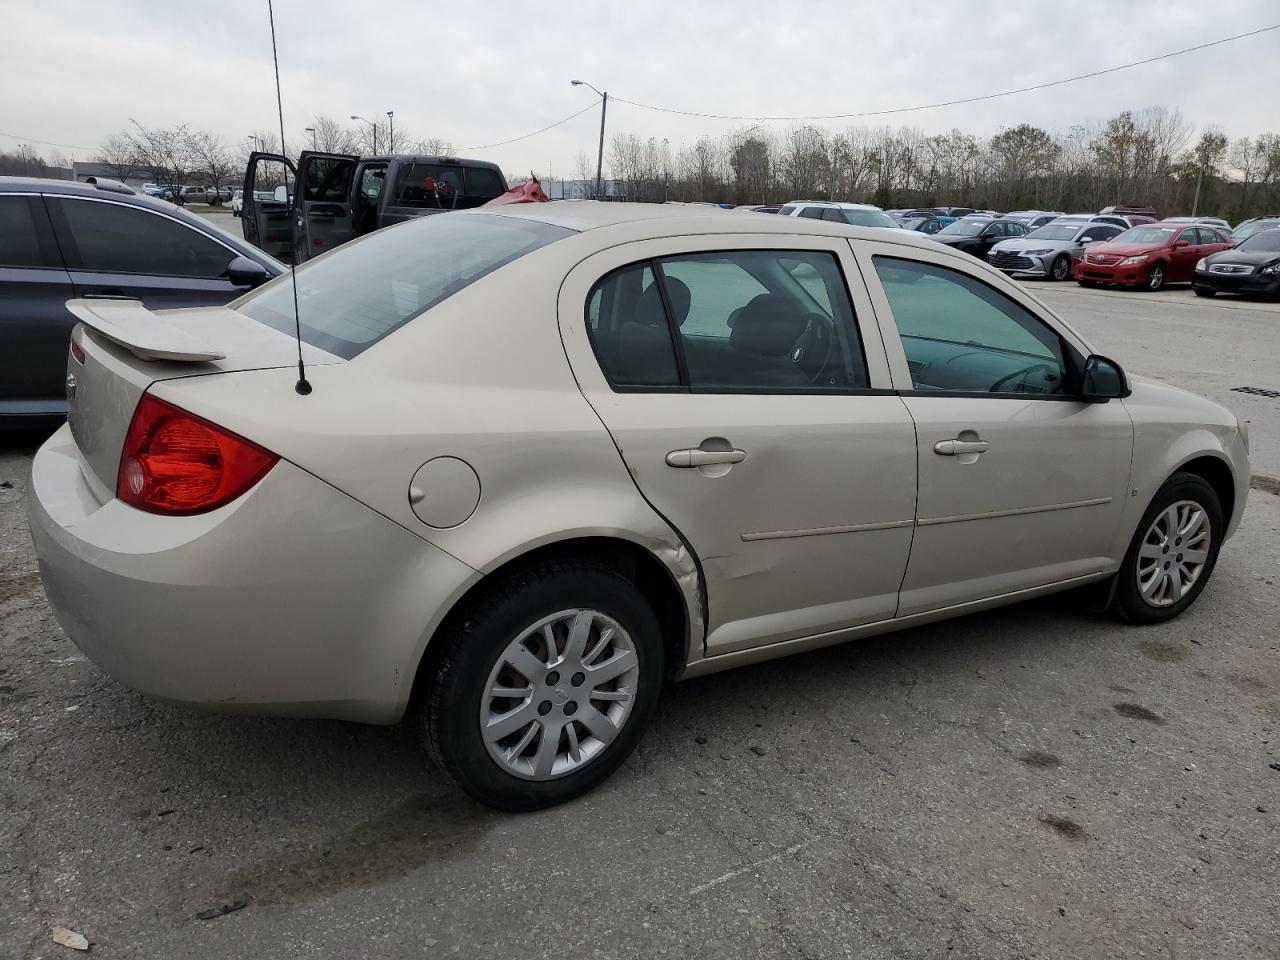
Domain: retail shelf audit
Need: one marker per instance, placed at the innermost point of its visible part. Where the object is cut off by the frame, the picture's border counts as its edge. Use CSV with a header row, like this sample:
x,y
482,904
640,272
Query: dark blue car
x,y
60,240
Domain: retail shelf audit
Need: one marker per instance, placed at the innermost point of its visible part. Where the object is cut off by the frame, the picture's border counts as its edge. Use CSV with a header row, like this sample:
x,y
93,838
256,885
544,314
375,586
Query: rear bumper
x,y
1237,283
294,599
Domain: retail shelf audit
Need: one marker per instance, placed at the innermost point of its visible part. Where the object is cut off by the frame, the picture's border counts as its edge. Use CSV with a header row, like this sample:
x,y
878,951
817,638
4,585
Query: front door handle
x,y
956,448
697,457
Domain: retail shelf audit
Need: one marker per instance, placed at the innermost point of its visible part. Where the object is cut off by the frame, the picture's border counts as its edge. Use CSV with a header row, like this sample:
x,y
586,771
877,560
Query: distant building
x,y
82,171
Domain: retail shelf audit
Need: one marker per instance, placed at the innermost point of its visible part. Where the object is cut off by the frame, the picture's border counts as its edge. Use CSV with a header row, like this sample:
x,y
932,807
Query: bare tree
x,y
121,157
329,136
211,161
166,150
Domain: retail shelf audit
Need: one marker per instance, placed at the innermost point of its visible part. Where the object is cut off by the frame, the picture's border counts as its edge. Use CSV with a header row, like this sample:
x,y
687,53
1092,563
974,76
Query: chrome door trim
x,y
823,531
1017,512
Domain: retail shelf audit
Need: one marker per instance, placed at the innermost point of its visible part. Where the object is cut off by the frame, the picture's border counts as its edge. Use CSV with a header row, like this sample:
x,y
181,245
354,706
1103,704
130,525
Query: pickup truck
x,y
340,197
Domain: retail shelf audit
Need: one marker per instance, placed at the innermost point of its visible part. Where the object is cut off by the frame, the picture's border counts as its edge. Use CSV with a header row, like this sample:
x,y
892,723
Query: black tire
x,y
1129,604
1155,277
1202,292
1061,268
447,719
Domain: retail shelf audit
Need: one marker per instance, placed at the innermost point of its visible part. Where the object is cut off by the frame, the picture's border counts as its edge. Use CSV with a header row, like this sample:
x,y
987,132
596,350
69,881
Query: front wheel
x,y
1061,268
1155,278
1173,552
544,685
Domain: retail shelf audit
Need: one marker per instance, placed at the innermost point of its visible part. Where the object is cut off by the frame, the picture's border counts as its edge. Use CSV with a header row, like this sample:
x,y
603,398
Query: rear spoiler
x,y
144,334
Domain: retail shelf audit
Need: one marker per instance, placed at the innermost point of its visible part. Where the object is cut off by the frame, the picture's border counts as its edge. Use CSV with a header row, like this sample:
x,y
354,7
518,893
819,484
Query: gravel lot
x,y
1032,782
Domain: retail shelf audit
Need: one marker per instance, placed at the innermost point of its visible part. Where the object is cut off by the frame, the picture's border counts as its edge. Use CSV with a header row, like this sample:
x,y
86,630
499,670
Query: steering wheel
x,y
1049,367
816,338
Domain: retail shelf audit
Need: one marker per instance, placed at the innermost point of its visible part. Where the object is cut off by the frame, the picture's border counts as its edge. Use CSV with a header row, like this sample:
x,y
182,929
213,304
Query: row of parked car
x,y
1120,245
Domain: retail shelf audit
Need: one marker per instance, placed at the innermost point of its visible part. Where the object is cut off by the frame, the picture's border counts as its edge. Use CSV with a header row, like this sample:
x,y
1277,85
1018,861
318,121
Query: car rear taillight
x,y
174,462
77,351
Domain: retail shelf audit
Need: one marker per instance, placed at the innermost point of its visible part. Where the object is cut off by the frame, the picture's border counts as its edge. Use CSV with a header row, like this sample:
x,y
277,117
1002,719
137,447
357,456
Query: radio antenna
x,y
303,387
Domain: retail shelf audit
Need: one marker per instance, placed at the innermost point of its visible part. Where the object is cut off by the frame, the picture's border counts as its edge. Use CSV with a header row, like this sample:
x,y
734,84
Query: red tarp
x,y
528,192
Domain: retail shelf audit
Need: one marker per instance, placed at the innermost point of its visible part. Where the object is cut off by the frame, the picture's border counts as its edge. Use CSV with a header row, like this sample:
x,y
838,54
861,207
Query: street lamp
x,y
375,130
391,119
604,105
312,131
257,141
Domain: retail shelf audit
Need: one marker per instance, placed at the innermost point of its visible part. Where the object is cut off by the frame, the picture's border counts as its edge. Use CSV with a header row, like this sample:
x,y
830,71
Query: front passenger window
x,y
961,335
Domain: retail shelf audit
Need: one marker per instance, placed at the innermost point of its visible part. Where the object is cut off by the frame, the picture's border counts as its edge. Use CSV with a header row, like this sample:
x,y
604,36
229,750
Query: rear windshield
x,y
353,297
449,186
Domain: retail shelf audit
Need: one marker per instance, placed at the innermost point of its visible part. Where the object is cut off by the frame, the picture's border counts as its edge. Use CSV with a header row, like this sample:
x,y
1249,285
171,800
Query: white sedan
x,y
543,456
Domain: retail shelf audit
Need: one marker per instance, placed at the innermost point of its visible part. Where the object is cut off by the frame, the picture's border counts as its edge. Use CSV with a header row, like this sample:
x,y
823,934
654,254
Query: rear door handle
x,y
697,457
955,448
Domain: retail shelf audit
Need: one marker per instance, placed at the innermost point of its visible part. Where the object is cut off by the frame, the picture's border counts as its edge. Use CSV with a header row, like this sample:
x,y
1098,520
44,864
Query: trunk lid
x,y
126,348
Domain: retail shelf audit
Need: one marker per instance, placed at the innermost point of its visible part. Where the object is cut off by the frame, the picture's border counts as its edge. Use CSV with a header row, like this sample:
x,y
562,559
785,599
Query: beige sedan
x,y
542,457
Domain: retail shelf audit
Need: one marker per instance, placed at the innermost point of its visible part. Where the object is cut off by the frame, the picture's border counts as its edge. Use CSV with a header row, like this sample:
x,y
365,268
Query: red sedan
x,y
1149,256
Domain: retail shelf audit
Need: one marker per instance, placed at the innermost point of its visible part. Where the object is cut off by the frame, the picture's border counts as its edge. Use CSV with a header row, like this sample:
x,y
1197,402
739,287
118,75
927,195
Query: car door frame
x,y
249,205
304,246
1076,349
726,636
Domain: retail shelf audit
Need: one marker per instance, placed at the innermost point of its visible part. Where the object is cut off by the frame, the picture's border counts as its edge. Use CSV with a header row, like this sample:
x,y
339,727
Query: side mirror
x,y
281,194
1103,380
1088,240
244,272
1182,243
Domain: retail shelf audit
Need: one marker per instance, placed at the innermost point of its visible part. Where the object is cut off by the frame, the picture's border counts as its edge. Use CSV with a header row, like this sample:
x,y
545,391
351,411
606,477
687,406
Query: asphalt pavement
x,y
1037,781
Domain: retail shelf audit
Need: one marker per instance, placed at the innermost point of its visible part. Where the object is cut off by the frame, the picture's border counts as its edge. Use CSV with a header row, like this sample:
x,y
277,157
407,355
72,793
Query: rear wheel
x,y
1173,552
1061,268
544,685
1155,277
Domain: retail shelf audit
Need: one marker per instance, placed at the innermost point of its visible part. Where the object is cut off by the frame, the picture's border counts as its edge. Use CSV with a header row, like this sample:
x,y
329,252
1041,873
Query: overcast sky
x,y
475,73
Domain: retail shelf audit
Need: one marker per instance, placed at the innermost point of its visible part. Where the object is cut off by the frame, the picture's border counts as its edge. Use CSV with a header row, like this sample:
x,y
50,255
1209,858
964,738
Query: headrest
x,y
649,307
768,326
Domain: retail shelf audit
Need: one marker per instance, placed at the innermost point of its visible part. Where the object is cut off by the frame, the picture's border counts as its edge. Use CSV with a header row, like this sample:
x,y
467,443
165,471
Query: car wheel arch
x,y
1216,472
653,577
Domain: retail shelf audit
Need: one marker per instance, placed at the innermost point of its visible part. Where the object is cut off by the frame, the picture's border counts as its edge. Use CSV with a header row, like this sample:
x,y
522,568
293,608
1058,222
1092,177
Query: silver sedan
x,y
528,462
1048,251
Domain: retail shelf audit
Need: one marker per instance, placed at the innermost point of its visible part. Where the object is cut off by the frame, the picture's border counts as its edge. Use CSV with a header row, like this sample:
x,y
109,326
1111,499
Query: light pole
x,y
256,140
374,126
312,131
604,105
391,119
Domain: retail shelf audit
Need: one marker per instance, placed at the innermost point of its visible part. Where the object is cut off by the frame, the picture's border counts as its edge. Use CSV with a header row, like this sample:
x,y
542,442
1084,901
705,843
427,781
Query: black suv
x,y
344,196
60,239
979,235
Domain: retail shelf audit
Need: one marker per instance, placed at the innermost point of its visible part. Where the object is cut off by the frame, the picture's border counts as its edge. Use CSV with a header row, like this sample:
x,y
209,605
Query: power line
x,y
953,103
526,136
44,143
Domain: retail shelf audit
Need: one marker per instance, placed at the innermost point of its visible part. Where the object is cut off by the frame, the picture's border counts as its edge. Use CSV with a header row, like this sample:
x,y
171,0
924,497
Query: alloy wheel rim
x,y
1060,268
1173,553
559,694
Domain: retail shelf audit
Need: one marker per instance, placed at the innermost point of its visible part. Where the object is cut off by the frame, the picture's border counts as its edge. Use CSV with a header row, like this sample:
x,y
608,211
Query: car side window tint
x,y
1207,235
961,335
813,213
629,331
19,245
755,320
834,214
114,238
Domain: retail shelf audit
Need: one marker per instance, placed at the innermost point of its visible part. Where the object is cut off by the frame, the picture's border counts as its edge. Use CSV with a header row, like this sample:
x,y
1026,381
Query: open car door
x,y
322,205
264,212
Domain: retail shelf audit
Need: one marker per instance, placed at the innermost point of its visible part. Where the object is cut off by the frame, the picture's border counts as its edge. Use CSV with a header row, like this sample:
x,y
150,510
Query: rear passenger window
x,y
755,321
18,244
114,238
738,321
629,331
813,213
